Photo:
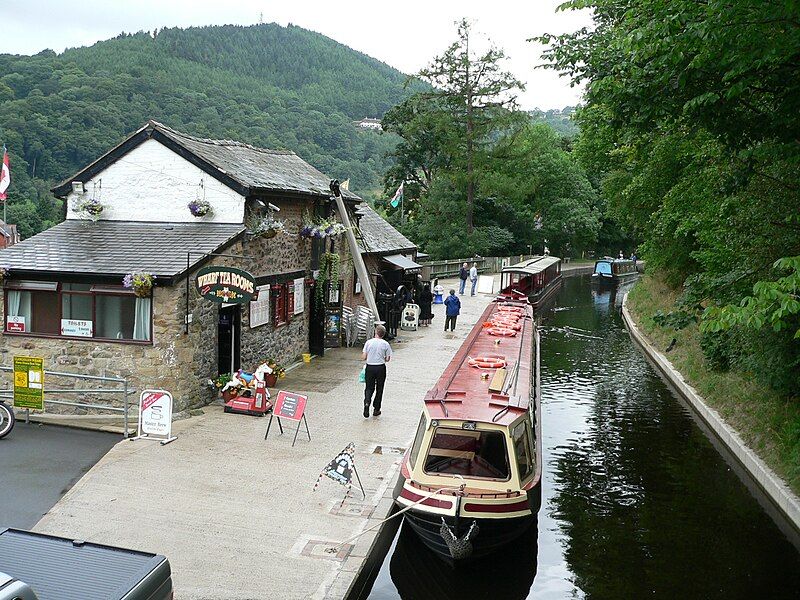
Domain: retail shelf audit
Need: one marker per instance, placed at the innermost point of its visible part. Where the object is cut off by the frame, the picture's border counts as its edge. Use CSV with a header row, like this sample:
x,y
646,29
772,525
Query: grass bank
x,y
769,424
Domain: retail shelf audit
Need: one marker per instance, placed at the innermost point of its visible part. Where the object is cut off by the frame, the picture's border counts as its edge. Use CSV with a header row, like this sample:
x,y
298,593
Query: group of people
x,y
377,351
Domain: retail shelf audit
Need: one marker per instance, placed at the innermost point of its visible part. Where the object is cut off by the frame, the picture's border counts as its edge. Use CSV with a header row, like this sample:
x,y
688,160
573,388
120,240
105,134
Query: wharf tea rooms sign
x,y
226,284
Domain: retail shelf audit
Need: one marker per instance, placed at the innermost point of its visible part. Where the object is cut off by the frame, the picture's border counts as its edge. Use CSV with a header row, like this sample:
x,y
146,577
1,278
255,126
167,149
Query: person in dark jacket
x,y
425,301
463,275
453,308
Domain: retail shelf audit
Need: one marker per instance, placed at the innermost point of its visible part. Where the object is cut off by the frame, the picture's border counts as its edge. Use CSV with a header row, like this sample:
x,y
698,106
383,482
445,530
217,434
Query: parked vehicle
x,y
57,568
15,589
6,419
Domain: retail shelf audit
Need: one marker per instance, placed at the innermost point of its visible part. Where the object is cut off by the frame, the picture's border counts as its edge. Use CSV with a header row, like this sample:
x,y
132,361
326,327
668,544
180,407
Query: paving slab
x,y
235,514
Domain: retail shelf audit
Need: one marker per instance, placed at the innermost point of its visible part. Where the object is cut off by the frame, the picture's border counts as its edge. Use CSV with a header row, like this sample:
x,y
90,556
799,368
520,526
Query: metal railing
x,y
486,264
124,391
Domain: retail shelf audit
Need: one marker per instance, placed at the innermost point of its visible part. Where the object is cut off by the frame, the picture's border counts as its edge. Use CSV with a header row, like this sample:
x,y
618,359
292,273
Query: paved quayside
x,y
235,514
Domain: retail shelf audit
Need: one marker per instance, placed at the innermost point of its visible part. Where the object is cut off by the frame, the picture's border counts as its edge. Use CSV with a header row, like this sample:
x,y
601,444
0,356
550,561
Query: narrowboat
x,y
613,271
538,278
471,481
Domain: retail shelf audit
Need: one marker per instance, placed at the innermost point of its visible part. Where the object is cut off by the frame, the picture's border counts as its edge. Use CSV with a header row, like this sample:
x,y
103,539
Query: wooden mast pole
x,y
358,260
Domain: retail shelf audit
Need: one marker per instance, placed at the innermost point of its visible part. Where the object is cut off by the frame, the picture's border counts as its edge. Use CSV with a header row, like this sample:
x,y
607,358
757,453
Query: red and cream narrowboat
x,y
471,479
538,278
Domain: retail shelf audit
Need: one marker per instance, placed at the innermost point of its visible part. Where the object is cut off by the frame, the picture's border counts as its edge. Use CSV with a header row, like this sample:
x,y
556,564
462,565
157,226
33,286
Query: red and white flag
x,y
5,175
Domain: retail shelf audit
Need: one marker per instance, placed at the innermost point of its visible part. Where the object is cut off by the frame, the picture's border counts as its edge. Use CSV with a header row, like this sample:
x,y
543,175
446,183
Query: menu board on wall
x,y
259,308
299,295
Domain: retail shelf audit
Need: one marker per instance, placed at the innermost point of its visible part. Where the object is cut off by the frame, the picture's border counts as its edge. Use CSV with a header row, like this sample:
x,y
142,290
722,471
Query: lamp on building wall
x,y
78,187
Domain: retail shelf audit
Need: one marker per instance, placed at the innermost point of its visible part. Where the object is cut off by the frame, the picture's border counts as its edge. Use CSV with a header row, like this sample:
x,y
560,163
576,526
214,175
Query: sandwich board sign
x,y
290,406
155,416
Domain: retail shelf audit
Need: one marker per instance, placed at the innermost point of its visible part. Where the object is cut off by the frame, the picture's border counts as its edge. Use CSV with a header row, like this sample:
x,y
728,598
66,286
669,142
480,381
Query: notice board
x,y
29,382
290,405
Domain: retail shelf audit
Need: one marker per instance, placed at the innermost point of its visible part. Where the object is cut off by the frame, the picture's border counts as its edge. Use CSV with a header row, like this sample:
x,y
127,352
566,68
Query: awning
x,y
402,262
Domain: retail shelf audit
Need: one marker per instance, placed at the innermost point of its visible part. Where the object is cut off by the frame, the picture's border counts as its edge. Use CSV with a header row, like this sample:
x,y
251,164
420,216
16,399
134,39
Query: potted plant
x,y
199,208
140,282
4,271
220,382
90,208
278,372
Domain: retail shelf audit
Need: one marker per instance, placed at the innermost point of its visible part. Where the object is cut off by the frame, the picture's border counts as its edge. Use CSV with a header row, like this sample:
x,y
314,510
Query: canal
x,y
636,500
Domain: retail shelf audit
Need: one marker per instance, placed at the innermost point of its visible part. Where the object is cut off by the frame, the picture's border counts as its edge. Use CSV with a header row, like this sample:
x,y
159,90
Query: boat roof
x,y
612,259
461,393
532,266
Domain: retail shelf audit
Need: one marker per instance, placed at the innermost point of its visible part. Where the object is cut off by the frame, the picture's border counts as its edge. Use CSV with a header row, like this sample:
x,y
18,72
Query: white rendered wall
x,y
152,183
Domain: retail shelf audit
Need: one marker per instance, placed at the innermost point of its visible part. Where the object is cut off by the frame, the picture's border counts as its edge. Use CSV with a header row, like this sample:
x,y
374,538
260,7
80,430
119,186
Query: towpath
x,y
235,514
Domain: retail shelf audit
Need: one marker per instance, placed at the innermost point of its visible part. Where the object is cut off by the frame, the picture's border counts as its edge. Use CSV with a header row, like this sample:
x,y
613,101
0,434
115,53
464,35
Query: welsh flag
x,y
5,175
398,197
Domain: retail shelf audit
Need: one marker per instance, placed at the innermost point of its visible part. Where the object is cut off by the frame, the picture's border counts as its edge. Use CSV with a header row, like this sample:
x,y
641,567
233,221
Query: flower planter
x,y
270,379
229,395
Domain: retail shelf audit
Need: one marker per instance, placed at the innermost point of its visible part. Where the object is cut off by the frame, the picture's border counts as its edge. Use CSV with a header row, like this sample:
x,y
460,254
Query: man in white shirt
x,y
473,277
377,352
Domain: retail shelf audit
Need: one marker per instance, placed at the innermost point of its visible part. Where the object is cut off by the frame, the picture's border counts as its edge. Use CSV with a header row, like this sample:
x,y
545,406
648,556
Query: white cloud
x,y
405,35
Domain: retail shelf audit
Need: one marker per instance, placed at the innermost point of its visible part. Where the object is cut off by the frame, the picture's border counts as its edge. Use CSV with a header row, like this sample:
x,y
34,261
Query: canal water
x,y
636,501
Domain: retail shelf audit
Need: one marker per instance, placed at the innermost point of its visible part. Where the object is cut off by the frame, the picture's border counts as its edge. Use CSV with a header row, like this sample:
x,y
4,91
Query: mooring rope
x,y
335,549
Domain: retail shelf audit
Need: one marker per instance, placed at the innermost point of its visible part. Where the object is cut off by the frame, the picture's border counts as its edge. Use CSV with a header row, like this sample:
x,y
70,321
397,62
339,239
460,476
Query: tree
x,y
478,96
691,124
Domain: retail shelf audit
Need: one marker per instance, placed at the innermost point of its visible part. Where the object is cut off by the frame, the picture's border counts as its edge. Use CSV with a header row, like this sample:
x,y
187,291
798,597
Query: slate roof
x,y
378,236
247,169
115,248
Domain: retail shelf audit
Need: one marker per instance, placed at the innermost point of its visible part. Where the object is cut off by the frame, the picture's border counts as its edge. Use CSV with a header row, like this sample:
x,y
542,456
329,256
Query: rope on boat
x,y
335,549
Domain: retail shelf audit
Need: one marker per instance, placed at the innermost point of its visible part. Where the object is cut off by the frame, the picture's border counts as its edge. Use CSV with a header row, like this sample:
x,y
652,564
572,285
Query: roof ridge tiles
x,y
214,142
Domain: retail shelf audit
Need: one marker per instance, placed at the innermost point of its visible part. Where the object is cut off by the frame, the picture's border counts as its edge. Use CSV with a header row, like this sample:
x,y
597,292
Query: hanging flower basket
x,y
199,208
90,208
324,228
266,227
3,273
140,282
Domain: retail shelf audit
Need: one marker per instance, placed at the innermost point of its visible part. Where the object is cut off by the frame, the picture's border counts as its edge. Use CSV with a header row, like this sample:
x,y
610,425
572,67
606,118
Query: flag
x,y
5,175
345,186
398,197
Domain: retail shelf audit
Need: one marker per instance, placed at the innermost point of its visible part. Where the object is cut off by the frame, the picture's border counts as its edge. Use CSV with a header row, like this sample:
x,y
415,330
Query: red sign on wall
x,y
290,405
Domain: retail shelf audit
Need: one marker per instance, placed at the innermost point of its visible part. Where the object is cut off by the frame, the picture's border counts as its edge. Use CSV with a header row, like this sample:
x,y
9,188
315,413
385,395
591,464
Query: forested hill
x,y
272,86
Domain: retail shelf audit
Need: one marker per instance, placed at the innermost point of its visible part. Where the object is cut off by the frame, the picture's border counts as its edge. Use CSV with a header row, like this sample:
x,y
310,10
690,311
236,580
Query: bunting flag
x,y
5,175
398,197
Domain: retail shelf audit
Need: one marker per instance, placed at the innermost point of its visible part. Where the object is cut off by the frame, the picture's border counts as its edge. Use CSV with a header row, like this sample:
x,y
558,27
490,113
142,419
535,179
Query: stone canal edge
x,y
782,497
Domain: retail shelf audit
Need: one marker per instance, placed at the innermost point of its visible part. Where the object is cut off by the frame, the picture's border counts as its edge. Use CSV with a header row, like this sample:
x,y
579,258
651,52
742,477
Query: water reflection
x,y
418,574
636,503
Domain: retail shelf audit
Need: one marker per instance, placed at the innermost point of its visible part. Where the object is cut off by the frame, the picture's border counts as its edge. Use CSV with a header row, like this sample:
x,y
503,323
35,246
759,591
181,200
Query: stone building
x,y
128,212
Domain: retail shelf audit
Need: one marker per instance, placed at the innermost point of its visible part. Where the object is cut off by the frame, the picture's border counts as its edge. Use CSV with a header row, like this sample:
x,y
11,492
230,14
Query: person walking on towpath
x,y
473,277
453,308
462,275
377,352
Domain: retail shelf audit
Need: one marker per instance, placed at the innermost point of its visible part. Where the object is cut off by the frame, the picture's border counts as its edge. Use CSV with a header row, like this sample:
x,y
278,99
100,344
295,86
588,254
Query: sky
x,y
405,34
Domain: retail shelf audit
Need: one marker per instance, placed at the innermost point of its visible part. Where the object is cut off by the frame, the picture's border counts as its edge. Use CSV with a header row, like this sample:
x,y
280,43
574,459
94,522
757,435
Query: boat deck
x,y
463,391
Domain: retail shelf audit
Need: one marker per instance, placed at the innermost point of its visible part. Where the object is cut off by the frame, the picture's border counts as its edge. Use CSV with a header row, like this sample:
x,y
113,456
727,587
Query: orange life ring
x,y
502,331
487,362
511,309
506,323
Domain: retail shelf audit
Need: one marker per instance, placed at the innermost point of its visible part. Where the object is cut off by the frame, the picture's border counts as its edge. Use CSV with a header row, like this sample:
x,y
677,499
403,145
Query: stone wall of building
x,y
154,365
186,364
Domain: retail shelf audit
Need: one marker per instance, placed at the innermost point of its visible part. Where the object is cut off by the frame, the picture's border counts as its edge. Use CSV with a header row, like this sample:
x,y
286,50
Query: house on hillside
x,y
373,124
128,212
8,234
